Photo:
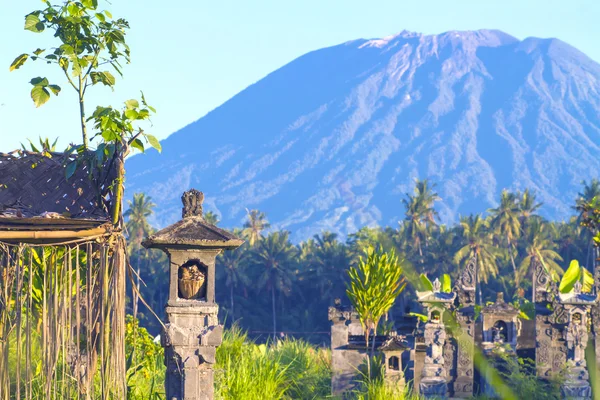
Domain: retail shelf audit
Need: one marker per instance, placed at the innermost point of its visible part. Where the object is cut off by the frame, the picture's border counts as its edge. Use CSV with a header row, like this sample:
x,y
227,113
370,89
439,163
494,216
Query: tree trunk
x,y
118,187
274,317
82,114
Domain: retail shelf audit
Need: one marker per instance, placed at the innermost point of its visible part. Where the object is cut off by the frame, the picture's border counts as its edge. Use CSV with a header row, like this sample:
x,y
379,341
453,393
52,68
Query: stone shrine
x,y
192,332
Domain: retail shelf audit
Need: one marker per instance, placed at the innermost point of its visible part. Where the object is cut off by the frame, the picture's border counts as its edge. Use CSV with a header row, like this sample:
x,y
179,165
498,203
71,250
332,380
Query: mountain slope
x,y
335,138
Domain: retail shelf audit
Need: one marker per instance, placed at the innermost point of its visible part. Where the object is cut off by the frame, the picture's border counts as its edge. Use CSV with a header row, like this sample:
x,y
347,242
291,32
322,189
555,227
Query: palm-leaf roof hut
x,y
62,280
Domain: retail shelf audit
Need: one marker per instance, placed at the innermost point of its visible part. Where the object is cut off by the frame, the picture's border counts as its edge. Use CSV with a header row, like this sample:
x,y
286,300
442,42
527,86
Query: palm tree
x,y
506,224
528,207
568,239
137,228
256,223
232,265
211,218
590,192
478,242
328,263
426,197
276,255
539,247
420,214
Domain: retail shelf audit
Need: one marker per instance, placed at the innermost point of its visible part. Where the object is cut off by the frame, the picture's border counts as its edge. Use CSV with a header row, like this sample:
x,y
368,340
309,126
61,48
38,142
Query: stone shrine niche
x,y
192,280
501,324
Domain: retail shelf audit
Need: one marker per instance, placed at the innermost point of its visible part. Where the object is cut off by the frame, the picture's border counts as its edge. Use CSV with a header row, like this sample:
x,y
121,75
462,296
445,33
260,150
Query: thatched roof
x,y
35,193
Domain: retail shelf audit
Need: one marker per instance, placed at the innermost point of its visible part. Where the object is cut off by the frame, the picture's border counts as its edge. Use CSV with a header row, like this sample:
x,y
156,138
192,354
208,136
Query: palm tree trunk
x,y
231,300
274,317
480,293
512,259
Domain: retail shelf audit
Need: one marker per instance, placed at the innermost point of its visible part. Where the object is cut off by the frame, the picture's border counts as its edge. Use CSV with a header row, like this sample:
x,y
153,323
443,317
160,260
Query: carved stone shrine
x,y
192,332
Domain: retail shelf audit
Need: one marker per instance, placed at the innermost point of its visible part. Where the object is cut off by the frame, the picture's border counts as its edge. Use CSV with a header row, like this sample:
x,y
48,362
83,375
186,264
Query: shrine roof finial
x,y
192,203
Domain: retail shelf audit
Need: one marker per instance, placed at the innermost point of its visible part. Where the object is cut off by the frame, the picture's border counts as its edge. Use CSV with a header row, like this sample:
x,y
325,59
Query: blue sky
x,y
192,55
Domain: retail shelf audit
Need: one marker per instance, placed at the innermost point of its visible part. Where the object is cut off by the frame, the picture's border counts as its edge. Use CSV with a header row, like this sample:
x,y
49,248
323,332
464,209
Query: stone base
x,y
435,388
577,391
463,387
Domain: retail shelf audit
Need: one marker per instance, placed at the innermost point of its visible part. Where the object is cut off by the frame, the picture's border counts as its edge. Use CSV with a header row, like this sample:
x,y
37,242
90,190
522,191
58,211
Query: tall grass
x,y
289,369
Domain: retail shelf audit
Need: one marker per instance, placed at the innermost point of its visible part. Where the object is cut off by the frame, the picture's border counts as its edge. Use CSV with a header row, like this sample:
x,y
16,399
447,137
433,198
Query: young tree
x,y
90,40
375,283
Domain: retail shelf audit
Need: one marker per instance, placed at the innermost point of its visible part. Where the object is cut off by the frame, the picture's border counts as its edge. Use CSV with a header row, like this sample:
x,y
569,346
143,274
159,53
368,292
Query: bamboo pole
x,y
40,235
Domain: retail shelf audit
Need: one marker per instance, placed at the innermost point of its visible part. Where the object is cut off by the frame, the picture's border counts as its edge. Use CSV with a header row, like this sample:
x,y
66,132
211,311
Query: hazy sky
x,y
189,56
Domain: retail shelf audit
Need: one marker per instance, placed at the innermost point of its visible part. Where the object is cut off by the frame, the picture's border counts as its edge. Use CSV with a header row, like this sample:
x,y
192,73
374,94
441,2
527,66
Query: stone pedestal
x,y
433,382
190,341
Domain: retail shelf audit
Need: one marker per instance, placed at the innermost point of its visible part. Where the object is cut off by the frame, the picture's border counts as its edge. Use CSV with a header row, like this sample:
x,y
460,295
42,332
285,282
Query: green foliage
x,y
520,376
89,41
425,282
372,385
145,368
446,283
575,273
374,285
288,369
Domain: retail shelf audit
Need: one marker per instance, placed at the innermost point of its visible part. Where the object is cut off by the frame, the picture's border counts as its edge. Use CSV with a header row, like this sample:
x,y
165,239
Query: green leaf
x,y
93,4
572,275
446,283
55,89
104,77
423,318
131,114
131,104
39,81
101,17
425,282
33,23
588,281
39,95
138,144
108,14
38,52
19,61
71,168
63,63
524,316
154,142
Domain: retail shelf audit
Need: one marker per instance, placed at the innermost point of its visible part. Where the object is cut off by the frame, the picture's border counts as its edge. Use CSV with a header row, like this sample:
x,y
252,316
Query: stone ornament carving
x,y
465,287
577,338
433,383
192,203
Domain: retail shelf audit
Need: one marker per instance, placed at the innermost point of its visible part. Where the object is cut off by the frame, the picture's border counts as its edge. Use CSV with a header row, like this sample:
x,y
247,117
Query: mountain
x,y
333,140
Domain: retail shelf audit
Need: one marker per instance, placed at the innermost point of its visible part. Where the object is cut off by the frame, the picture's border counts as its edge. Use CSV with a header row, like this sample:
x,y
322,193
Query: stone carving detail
x,y
433,383
577,338
465,287
192,203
